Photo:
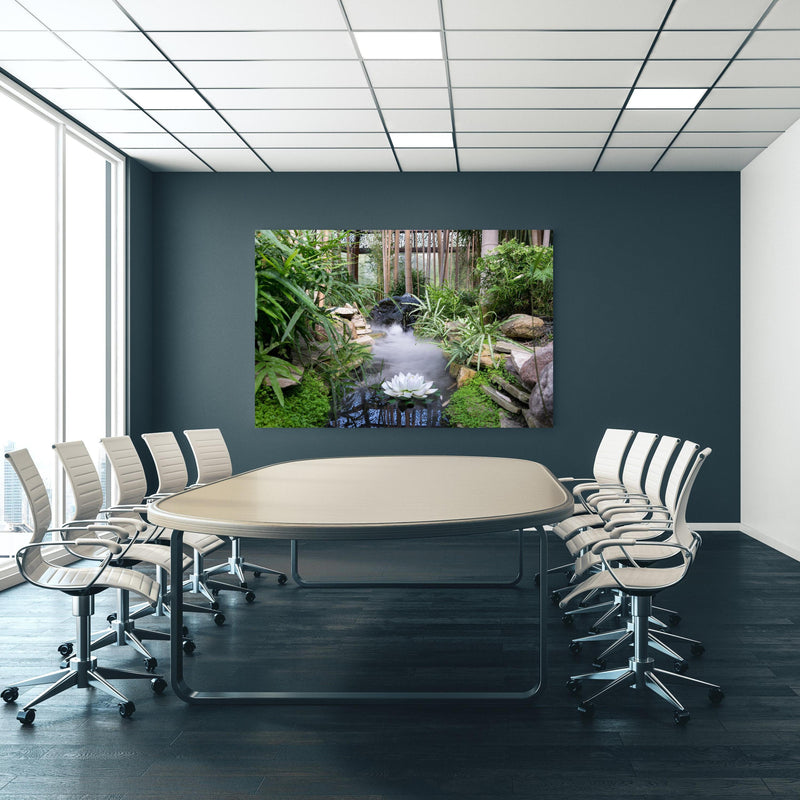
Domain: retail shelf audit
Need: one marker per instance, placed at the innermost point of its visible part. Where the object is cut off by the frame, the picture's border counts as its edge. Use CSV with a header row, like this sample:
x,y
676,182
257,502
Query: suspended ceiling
x,y
282,85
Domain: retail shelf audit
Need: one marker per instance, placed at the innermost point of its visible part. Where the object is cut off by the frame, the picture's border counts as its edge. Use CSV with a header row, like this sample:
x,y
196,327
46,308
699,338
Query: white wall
x,y
770,192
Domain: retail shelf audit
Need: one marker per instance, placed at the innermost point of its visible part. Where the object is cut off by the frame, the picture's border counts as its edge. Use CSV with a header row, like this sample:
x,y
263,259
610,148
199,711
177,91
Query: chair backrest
x,y
682,533
130,482
610,452
686,456
657,468
210,454
636,459
34,489
168,459
83,479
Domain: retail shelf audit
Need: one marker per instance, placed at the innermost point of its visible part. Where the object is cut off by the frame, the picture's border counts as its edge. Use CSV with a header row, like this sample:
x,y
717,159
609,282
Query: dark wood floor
x,y
741,598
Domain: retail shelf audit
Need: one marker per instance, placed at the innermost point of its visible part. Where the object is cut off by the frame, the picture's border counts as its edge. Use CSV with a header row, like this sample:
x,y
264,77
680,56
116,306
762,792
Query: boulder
x,y
464,374
531,369
541,402
345,311
522,326
398,310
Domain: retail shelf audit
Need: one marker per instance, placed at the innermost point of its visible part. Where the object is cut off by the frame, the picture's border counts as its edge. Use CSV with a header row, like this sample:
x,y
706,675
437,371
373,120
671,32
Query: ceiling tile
x,y
86,15
715,14
705,159
698,44
545,14
32,45
56,74
195,140
539,98
273,74
727,138
783,15
142,74
642,139
367,15
546,159
548,44
743,119
413,98
629,159
88,98
318,141
333,160
114,45
406,73
543,73
117,121
757,97
653,119
240,45
762,73
559,140
197,121
305,120
420,159
678,74
168,160
16,18
238,160
232,15
167,98
160,141
535,120
772,44
290,98
418,119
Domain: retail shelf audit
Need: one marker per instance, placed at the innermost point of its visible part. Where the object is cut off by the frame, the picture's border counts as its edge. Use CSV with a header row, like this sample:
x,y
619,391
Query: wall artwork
x,y
404,328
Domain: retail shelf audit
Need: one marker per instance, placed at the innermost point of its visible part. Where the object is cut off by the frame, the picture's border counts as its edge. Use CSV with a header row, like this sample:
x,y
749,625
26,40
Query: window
x,y
61,296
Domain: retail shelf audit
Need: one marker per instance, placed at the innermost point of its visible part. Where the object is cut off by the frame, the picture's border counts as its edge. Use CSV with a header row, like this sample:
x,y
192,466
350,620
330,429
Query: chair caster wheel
x,y
568,620
65,649
536,579
215,592
555,598
681,717
26,717
250,596
189,646
674,619
716,695
158,685
598,664
256,573
126,709
573,686
282,580
10,694
111,618
219,619
184,630
575,648
698,649
681,667
150,664
587,709
214,606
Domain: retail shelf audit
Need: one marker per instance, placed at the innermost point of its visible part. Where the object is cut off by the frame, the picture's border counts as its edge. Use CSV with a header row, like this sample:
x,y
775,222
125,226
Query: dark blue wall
x,y
647,307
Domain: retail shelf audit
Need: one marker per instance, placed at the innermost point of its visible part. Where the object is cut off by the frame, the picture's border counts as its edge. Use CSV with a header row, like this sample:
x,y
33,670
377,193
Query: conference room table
x,y
363,498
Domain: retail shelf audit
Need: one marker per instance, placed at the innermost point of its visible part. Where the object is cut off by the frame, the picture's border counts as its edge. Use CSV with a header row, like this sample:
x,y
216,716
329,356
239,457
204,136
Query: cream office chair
x,y
213,463
36,565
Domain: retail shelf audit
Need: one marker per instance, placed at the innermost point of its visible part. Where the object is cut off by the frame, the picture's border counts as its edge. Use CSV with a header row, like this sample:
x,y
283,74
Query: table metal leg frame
x,y
198,697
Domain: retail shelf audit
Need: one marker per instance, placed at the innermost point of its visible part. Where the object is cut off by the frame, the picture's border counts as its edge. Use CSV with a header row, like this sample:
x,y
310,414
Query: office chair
x,y
213,463
641,584
82,583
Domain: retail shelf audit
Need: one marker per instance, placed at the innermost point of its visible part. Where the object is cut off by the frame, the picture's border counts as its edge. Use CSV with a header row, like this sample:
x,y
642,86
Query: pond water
x,y
397,350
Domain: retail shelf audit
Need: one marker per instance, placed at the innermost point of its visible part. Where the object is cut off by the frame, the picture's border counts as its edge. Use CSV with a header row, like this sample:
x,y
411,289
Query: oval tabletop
x,y
371,498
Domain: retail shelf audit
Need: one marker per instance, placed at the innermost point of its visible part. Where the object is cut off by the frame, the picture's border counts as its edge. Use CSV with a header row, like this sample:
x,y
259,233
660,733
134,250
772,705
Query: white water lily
x,y
408,385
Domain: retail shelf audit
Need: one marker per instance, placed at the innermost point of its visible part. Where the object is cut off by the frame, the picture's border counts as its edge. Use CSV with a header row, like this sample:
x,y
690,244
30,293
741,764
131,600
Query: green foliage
x,y
470,406
270,368
418,281
304,406
518,279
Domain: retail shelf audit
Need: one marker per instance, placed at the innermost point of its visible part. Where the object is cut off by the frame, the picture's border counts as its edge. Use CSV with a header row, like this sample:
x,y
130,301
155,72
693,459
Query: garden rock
x,y
464,374
532,369
522,326
541,402
398,310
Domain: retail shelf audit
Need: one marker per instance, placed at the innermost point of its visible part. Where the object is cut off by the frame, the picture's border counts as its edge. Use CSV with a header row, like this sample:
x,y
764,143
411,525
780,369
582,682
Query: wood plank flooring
x,y
741,598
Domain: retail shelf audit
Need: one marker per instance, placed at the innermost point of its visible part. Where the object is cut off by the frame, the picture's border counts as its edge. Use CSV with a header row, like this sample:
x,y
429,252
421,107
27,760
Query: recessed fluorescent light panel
x,y
418,45
422,139
665,98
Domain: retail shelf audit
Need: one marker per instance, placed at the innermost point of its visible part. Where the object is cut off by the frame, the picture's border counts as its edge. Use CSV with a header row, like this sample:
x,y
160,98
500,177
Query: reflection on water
x,y
396,350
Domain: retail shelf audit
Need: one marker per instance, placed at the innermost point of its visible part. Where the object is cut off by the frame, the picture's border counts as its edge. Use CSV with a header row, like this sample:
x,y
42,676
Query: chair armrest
x,y
83,541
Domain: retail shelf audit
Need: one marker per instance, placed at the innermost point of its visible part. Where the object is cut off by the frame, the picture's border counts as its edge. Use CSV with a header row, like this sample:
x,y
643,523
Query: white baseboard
x,y
734,527
787,549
